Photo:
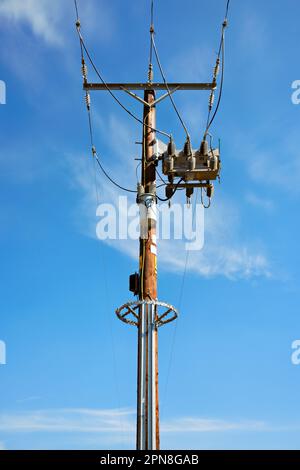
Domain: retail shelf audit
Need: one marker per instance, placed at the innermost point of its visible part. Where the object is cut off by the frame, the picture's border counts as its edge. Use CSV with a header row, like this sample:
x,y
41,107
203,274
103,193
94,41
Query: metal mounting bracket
x,y
129,312
150,105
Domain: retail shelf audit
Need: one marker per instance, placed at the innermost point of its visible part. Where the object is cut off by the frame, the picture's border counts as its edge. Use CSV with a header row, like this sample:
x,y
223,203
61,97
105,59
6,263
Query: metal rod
x,y
136,97
141,438
164,96
161,98
154,384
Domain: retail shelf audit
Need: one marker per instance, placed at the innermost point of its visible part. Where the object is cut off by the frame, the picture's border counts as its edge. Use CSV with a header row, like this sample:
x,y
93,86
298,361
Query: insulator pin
x,y
150,73
187,148
217,68
211,100
204,148
88,101
84,71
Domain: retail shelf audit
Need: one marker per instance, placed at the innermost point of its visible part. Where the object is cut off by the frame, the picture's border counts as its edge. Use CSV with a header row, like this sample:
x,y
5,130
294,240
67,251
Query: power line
x,y
76,10
182,286
95,155
113,351
174,191
161,178
110,178
227,9
151,28
110,91
88,105
167,86
221,54
210,121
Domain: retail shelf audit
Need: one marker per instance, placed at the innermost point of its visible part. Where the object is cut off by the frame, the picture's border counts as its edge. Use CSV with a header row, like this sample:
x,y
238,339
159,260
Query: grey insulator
x,y
187,149
171,148
204,148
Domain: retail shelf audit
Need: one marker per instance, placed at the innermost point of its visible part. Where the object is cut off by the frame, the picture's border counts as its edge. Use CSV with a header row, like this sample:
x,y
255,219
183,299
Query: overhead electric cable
x,y
151,28
106,290
88,105
174,191
110,91
110,179
167,87
209,123
220,55
153,47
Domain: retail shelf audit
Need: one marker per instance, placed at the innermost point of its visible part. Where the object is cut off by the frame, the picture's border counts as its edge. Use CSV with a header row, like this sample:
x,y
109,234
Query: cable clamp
x,y
148,199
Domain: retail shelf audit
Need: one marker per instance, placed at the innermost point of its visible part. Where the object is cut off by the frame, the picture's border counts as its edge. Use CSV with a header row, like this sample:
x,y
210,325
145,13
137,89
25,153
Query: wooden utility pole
x,y
147,403
147,313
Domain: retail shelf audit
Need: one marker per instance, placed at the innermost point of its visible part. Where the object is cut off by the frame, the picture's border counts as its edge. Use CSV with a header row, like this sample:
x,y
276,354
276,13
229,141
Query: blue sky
x,y
70,378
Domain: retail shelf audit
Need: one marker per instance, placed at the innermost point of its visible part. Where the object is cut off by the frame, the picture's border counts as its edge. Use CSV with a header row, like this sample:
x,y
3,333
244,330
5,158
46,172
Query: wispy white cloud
x,y
217,259
27,399
43,17
270,169
273,162
114,422
47,19
196,425
260,202
70,420
2,446
224,253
